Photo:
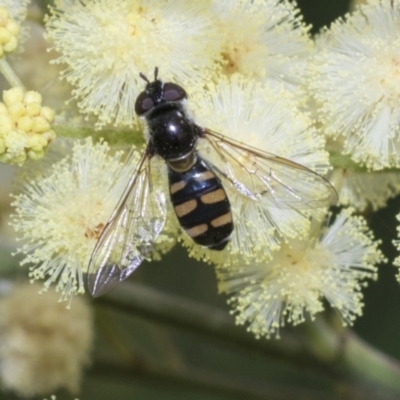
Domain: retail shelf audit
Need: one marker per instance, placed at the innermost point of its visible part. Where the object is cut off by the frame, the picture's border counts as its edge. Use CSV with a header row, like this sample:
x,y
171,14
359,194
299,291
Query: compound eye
x,y
173,92
143,103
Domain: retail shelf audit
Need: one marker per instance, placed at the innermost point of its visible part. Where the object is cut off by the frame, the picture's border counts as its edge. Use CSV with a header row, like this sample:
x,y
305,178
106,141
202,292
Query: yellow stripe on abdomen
x,y
197,230
222,220
185,208
213,197
176,187
203,176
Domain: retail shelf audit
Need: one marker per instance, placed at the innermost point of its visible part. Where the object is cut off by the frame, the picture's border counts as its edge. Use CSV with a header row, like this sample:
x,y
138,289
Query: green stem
x,y
336,353
129,137
344,161
115,137
198,318
35,14
365,362
196,379
357,361
9,74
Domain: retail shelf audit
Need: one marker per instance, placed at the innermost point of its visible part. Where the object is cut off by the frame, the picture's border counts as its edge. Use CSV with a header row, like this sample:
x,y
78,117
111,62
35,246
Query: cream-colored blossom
x,y
356,79
267,118
294,284
362,189
43,345
25,126
61,215
263,39
106,44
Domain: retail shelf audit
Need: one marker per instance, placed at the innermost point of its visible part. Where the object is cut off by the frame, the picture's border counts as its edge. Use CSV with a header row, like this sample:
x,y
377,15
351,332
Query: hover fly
x,y
196,190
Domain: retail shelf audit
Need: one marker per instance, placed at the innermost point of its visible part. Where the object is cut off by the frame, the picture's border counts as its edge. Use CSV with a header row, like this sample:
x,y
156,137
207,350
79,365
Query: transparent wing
x,y
265,177
130,233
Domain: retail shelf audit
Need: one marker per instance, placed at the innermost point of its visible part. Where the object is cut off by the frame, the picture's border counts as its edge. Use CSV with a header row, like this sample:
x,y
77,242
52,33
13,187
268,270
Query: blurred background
x,y
118,333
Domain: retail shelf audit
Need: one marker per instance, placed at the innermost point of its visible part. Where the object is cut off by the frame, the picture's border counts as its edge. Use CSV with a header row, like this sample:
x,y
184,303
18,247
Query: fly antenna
x,y
144,77
155,73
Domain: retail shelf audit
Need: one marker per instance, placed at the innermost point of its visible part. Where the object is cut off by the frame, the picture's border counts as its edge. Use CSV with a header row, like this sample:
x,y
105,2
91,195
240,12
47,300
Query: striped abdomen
x,y
201,205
